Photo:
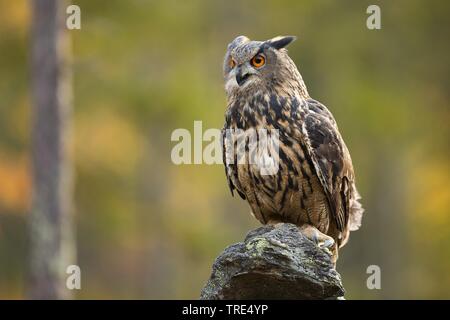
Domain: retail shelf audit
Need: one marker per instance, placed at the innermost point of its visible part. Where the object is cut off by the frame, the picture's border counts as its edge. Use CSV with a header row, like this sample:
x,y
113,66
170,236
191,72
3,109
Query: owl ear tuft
x,y
280,41
238,41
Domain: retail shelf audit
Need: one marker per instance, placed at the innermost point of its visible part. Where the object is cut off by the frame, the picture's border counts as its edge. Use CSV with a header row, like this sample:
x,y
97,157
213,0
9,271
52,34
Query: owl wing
x,y
230,168
331,160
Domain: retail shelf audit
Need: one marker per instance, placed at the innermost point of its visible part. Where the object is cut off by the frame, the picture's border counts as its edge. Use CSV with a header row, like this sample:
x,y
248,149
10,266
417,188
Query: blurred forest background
x,y
149,229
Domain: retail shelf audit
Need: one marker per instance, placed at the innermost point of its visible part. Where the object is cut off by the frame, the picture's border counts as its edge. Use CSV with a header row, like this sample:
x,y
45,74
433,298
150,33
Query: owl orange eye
x,y
232,63
258,61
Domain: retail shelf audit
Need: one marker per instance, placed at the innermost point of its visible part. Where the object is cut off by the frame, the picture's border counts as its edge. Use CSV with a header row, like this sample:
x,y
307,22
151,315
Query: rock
x,y
273,263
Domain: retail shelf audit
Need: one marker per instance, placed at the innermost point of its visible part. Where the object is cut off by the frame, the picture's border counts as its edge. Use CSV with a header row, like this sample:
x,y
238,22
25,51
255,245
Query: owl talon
x,y
328,251
323,241
326,244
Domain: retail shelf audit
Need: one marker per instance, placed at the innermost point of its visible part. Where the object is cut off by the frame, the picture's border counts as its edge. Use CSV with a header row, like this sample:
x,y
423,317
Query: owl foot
x,y
323,241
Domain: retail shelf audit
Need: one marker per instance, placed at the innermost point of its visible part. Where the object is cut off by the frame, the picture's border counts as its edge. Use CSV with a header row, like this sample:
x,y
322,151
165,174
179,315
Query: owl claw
x,y
323,241
327,243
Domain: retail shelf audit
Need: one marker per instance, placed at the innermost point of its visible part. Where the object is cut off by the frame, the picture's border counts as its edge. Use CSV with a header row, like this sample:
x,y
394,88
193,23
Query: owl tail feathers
x,y
356,211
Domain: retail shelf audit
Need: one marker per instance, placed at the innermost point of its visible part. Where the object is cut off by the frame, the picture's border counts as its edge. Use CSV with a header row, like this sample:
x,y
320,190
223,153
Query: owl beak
x,y
241,76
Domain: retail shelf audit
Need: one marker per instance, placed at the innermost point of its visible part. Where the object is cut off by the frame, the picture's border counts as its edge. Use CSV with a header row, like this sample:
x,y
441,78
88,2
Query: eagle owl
x,y
314,184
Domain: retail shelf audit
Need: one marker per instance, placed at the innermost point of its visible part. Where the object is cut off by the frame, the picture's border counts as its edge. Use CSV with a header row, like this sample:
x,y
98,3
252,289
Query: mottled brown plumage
x,y
314,186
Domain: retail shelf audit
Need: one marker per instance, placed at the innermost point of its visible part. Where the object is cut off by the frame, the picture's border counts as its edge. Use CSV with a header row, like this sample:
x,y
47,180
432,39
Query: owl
x,y
313,185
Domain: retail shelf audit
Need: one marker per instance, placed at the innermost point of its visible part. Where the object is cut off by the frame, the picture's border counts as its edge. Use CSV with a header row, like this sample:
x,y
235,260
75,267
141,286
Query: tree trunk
x,y
51,243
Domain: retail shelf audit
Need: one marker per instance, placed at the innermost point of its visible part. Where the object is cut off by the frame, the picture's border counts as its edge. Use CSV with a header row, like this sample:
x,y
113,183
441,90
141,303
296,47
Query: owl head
x,y
258,65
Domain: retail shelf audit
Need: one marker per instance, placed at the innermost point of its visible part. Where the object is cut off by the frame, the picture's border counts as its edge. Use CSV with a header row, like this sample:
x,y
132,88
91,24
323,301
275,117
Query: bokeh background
x,y
149,229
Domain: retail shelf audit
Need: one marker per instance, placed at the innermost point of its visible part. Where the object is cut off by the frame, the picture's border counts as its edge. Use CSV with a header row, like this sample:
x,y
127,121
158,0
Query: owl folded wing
x,y
330,158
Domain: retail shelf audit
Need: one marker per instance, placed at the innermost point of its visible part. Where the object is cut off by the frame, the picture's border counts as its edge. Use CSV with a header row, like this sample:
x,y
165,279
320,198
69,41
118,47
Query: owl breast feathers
x,y
314,182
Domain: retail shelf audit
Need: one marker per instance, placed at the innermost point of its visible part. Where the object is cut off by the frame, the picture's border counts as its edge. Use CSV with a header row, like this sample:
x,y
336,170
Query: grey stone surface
x,y
273,263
